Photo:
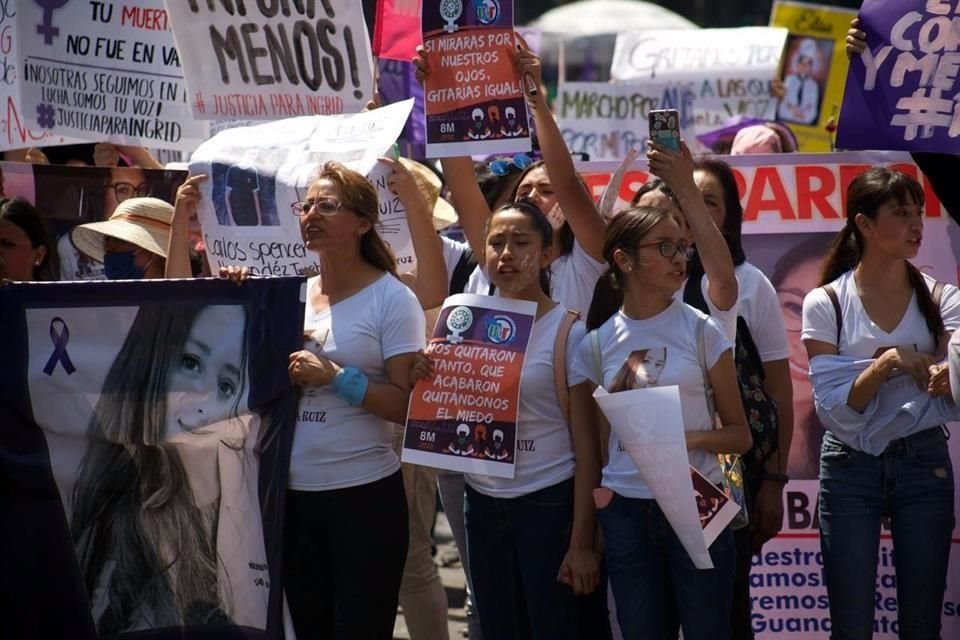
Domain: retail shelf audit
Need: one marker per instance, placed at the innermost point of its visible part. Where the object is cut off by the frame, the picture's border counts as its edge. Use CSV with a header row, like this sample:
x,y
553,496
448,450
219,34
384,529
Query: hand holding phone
x,y
665,128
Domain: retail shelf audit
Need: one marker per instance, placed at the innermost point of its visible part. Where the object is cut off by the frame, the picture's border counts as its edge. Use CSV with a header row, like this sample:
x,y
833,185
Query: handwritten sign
x,y
273,60
104,72
902,92
256,173
607,120
474,101
465,418
729,71
814,68
393,227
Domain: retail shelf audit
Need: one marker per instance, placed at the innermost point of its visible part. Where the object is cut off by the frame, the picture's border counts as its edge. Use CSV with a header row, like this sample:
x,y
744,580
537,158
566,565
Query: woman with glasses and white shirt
x,y
345,492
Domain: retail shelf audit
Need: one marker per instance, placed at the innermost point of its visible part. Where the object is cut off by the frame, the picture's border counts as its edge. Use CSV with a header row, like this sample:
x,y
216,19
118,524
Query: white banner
x,y
104,72
606,120
254,174
274,60
728,72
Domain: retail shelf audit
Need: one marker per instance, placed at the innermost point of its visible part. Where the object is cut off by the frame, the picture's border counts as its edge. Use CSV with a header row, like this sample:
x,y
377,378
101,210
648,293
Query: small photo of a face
x,y
641,370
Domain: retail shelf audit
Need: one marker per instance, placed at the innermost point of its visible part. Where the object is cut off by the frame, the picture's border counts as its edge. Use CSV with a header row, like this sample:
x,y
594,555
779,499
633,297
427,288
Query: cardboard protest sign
x,y
606,120
254,175
729,71
67,196
148,497
799,189
465,418
901,93
473,96
814,68
649,425
104,72
267,61
396,30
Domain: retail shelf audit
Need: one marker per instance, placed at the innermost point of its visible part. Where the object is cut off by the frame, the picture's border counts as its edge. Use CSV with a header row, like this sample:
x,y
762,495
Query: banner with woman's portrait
x,y
145,442
793,207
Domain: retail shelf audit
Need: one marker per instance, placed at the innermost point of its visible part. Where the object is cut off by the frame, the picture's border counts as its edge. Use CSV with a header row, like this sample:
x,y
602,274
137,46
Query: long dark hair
x,y
23,214
626,230
132,503
866,194
732,228
540,224
361,197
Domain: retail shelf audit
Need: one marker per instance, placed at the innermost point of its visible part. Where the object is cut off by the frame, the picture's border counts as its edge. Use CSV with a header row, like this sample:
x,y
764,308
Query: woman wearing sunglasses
x,y
345,491
647,251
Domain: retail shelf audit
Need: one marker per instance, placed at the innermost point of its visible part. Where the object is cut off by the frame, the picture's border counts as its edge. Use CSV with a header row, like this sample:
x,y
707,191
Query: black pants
x,y
343,558
740,628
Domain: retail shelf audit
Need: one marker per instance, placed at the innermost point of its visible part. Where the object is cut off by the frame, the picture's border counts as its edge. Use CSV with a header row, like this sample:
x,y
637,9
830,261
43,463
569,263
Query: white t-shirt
x,y
544,448
668,355
860,337
75,265
336,445
573,276
726,320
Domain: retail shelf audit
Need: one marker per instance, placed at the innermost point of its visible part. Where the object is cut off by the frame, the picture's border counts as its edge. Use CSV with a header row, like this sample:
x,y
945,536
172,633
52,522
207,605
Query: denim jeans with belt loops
x,y
911,482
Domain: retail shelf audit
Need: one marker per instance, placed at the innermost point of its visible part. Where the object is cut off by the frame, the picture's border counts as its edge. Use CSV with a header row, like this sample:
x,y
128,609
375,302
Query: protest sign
x,y
392,226
67,196
465,418
814,69
649,425
145,474
729,71
104,72
473,95
807,190
273,60
254,175
902,92
396,30
606,120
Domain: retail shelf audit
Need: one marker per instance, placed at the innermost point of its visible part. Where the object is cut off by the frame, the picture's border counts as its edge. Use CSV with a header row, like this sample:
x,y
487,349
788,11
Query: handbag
x,y
730,463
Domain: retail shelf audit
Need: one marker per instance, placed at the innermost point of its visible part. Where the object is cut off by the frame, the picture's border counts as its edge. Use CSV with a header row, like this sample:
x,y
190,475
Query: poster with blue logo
x,y
465,418
144,448
473,95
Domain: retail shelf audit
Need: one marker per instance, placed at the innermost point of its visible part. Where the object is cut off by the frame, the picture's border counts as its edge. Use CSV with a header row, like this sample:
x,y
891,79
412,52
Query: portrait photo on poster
x,y
163,507
806,68
244,196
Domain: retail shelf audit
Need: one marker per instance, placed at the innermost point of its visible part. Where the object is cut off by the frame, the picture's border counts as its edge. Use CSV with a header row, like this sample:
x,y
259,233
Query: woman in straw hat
x,y
132,244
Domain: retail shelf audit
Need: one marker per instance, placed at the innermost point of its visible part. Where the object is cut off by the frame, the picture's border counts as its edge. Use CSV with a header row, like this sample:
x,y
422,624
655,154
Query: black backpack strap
x,y
835,300
491,289
461,272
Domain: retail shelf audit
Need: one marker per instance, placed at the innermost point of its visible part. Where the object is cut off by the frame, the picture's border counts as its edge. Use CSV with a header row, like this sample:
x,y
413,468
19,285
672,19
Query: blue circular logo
x,y
488,11
501,329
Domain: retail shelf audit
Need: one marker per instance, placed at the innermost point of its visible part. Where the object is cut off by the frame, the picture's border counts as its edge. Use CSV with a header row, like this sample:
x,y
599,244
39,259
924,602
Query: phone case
x,y
665,128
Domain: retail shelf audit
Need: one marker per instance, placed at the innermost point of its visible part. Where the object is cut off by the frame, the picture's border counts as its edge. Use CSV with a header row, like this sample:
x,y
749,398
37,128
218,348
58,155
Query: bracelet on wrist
x,y
350,385
780,478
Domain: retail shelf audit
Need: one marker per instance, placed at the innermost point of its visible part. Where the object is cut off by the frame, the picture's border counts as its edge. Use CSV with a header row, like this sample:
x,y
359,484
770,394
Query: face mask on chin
x,y
122,266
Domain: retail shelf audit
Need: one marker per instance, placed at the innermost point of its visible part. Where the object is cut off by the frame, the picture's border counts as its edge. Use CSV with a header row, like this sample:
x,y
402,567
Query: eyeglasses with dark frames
x,y
125,190
323,206
668,248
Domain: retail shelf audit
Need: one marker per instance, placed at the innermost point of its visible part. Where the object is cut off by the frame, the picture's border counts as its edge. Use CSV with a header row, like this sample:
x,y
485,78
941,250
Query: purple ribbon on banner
x,y
60,338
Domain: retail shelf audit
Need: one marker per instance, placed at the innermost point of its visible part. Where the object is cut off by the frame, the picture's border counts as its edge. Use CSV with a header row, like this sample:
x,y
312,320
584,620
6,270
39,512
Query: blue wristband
x,y
350,384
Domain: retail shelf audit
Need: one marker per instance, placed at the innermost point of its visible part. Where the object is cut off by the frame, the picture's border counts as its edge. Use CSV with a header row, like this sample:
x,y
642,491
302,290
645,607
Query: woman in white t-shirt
x,y
530,538
874,331
345,530
647,252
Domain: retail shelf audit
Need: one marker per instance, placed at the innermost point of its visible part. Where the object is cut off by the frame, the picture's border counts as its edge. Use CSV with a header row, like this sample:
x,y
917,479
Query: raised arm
x,y
178,249
578,207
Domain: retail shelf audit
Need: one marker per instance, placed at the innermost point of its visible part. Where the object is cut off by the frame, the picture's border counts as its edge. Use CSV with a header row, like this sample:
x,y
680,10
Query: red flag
x,y
396,31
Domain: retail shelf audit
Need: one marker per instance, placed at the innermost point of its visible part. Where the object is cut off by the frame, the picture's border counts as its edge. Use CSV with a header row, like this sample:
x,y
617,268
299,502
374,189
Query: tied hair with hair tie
x,y
540,224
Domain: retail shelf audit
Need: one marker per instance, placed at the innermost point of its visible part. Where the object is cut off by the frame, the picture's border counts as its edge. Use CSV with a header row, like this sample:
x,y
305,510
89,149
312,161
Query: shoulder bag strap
x,y
560,362
835,300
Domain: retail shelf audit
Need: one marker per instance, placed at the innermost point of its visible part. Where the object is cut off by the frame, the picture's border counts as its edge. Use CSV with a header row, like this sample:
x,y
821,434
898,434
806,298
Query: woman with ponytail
x,y
642,336
345,490
875,331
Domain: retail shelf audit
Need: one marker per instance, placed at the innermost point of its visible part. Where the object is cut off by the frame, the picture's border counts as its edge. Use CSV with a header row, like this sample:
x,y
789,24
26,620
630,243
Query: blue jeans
x,y
644,554
912,483
516,547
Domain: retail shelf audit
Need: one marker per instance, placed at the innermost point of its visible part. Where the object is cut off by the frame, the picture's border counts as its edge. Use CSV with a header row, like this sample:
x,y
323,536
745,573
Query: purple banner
x,y
901,94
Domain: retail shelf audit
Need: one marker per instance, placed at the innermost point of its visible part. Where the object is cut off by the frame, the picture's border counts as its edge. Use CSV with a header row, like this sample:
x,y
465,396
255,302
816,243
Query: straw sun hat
x,y
144,222
429,185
